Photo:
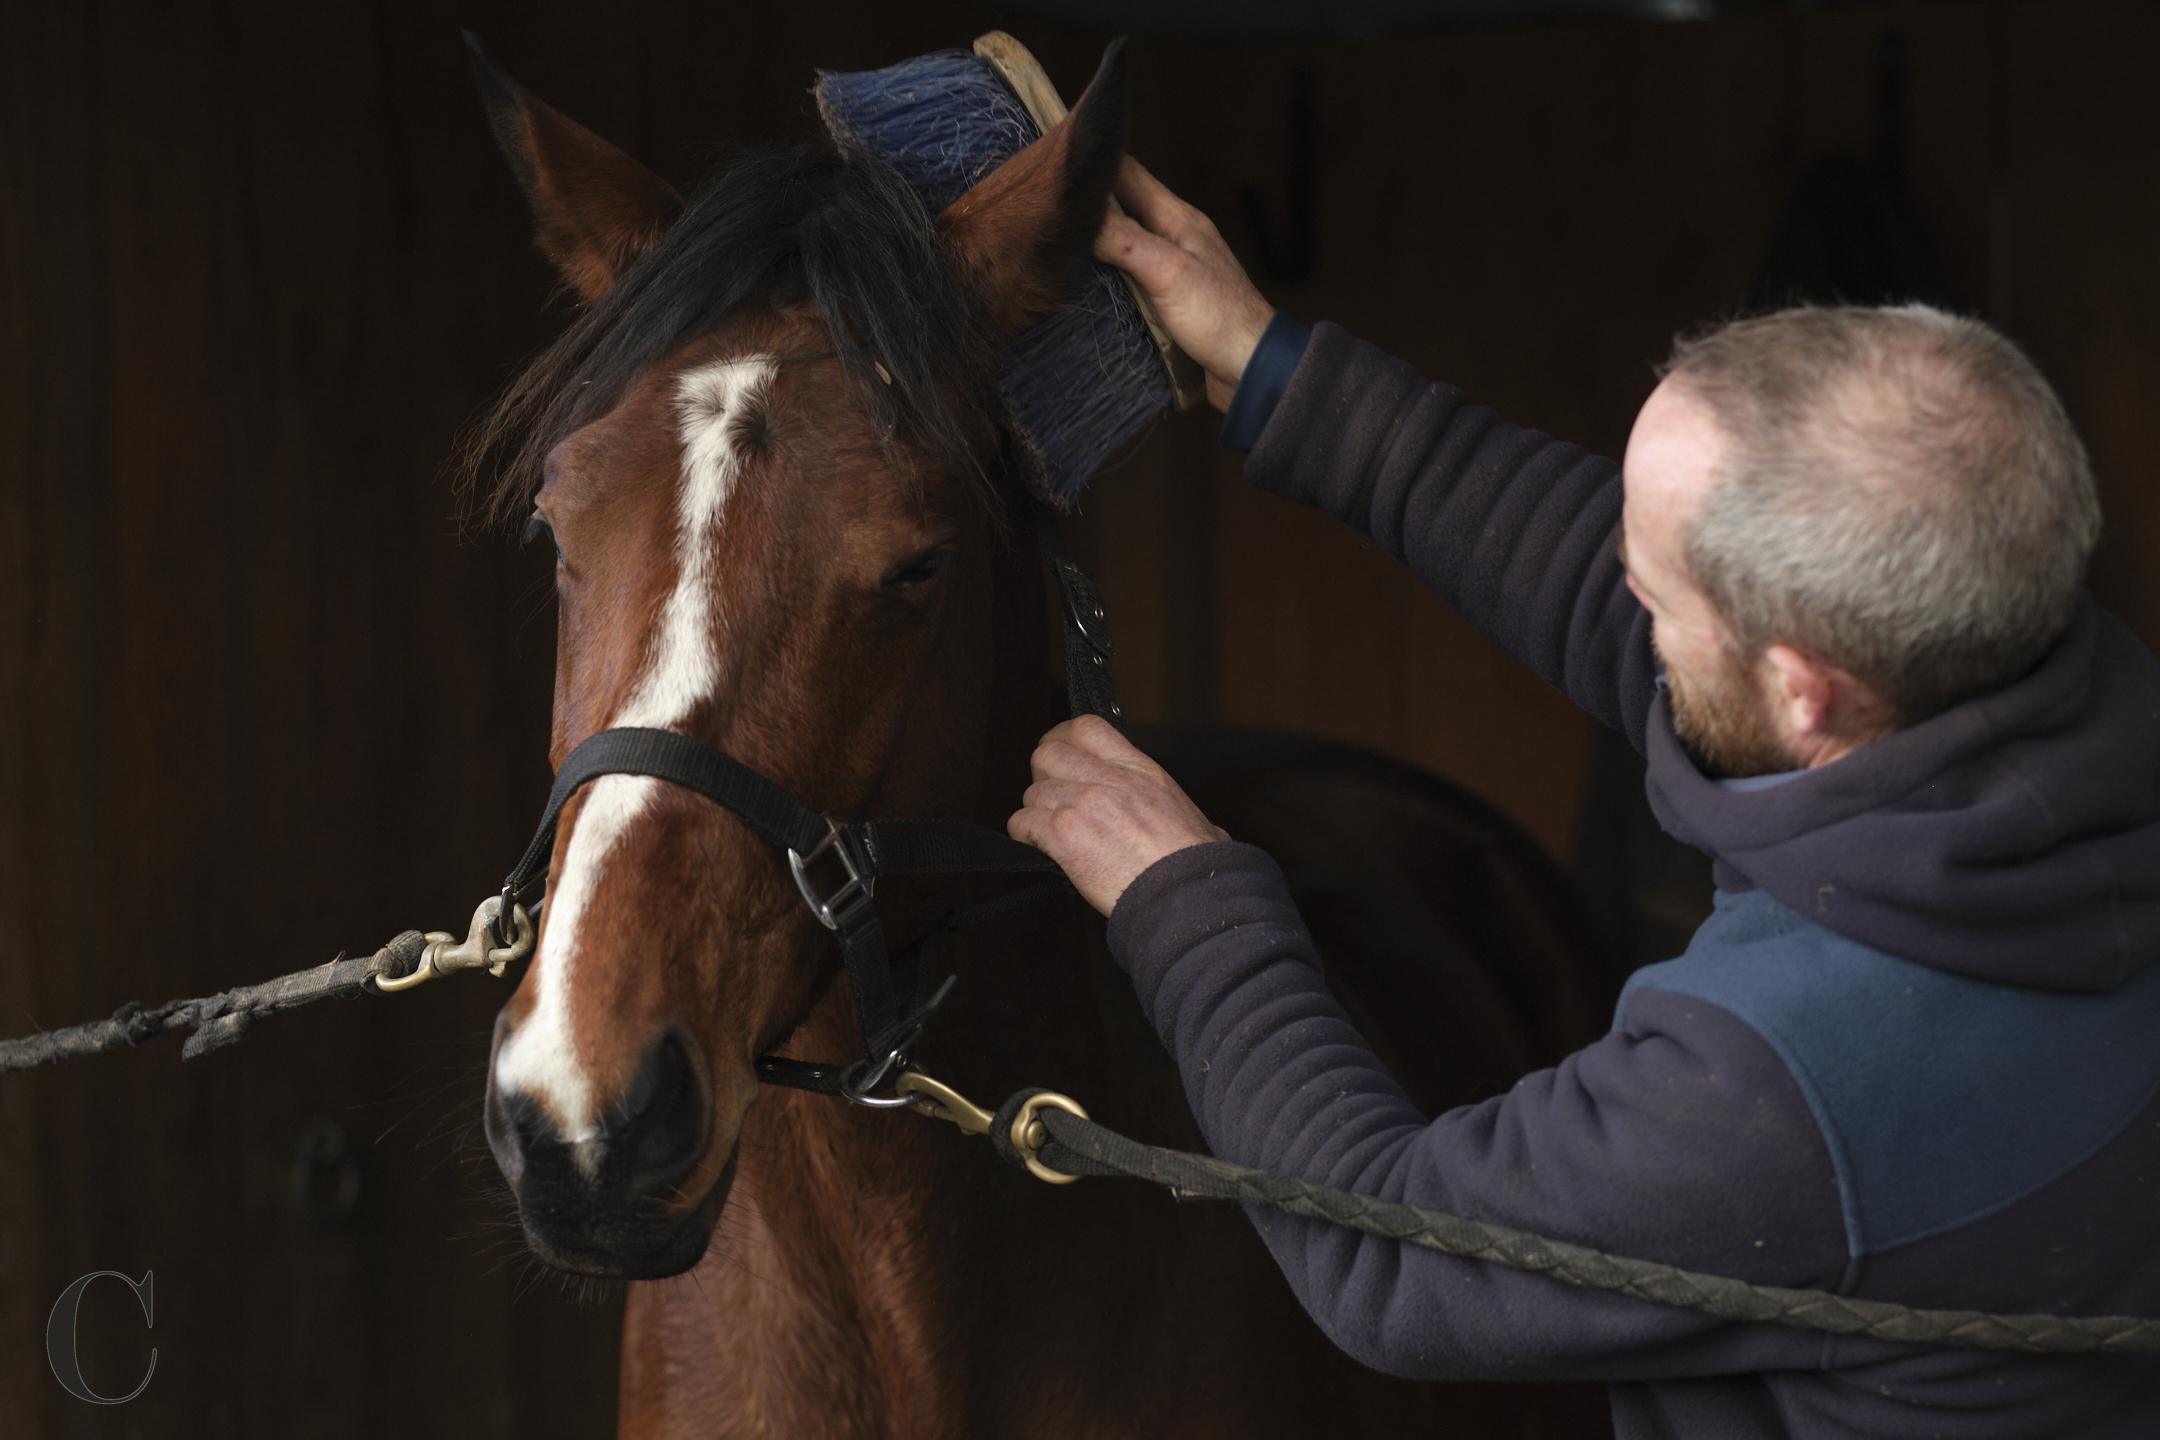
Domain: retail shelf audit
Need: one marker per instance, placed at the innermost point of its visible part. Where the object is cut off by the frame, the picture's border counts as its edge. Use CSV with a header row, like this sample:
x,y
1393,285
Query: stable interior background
x,y
259,700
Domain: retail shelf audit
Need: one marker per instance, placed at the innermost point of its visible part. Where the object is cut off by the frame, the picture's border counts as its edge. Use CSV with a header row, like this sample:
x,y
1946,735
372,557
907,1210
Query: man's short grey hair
x,y
1900,494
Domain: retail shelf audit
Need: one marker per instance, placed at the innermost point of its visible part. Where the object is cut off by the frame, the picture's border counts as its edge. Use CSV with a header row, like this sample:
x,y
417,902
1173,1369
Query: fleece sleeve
x,y
1678,1137
1515,530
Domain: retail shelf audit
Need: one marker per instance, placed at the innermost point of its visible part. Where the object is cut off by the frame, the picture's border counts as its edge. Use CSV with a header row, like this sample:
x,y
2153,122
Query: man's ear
x,y
1024,231
1819,702
594,208
1801,691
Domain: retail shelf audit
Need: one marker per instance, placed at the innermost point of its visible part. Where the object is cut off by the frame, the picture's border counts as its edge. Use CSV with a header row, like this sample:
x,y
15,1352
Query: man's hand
x,y
1103,810
1207,303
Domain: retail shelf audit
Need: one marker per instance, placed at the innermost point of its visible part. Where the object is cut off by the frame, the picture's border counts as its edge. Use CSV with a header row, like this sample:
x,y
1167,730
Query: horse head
x,y
771,458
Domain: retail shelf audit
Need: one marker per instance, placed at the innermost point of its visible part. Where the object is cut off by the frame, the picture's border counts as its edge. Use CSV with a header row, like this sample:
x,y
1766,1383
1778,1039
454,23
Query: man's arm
x,y
1679,1137
1514,529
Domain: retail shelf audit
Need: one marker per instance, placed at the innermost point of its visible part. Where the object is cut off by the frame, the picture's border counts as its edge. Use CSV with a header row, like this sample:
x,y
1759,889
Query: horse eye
x,y
918,571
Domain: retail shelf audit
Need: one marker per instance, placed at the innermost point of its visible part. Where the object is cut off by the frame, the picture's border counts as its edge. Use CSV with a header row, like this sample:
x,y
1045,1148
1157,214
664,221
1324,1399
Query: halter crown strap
x,y
1090,690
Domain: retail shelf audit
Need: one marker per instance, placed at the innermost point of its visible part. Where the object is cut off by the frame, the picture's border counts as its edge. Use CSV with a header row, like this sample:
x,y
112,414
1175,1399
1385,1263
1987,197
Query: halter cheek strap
x,y
837,863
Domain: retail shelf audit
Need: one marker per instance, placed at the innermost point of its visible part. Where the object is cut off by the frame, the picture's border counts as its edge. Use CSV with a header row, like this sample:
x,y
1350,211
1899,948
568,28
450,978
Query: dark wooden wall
x,y
259,700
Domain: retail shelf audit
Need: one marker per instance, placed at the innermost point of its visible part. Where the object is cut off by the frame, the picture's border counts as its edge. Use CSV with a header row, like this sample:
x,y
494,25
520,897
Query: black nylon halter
x,y
888,989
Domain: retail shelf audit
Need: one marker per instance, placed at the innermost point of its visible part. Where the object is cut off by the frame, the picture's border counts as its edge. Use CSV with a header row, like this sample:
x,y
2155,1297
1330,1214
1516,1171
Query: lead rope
x,y
1053,1137
222,1019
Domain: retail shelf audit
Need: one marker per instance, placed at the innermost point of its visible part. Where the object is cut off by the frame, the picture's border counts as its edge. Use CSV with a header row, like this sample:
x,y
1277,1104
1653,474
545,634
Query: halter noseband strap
x,y
887,988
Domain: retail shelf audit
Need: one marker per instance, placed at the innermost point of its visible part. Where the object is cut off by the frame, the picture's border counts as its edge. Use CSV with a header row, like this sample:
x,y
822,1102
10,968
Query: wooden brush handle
x,y
1020,71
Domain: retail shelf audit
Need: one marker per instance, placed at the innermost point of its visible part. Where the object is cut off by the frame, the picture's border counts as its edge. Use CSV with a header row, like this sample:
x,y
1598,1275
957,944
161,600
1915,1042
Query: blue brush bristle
x,y
1081,382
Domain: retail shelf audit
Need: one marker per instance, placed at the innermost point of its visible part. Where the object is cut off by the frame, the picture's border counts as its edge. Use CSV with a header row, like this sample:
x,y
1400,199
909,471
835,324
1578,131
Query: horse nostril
x,y
666,1108
512,1124
652,1073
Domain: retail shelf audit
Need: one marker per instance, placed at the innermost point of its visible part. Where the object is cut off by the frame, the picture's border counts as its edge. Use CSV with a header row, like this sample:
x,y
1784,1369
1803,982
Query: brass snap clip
x,y
446,954
940,1101
1029,1134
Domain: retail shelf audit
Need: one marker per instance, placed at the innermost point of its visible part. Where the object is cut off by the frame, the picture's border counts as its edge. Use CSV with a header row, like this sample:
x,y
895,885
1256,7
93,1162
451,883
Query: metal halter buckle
x,y
853,894
1082,610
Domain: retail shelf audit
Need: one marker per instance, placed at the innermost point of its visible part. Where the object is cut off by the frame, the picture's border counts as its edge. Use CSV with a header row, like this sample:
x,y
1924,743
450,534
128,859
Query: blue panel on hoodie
x,y
1998,1089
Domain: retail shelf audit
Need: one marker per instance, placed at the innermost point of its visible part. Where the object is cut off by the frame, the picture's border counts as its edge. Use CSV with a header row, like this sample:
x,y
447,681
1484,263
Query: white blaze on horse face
x,y
542,1058
711,402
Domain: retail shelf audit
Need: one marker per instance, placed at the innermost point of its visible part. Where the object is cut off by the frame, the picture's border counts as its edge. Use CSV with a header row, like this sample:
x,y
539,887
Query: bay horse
x,y
786,505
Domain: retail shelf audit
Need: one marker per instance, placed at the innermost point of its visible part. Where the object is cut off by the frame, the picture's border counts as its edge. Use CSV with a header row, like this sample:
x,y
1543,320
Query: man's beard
x,y
1723,724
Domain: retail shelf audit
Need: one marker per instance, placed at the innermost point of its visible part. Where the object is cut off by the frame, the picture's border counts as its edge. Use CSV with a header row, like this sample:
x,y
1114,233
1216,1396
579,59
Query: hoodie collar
x,y
2014,838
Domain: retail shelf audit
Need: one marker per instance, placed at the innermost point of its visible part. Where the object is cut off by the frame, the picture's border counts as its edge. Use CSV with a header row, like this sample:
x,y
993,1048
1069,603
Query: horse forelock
x,y
838,235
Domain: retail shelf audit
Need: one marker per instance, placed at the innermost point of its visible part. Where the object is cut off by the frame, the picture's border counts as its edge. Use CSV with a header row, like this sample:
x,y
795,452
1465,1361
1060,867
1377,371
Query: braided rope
x,y
217,1020
1081,1147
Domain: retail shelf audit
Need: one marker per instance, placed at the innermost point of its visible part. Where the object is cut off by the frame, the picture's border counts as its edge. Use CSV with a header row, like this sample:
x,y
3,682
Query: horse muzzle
x,y
611,1199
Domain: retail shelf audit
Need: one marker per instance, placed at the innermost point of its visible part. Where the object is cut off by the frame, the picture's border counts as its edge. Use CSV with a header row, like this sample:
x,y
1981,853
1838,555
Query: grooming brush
x,y
1086,378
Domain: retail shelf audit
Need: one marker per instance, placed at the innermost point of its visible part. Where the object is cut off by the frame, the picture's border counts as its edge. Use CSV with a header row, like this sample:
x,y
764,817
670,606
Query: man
x,y
1835,594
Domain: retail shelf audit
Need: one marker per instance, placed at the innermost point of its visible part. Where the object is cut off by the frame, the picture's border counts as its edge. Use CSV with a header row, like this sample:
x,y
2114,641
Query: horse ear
x,y
1023,231
594,208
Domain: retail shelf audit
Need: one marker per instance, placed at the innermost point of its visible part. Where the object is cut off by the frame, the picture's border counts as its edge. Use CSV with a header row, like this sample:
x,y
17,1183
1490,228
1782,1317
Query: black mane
x,y
806,223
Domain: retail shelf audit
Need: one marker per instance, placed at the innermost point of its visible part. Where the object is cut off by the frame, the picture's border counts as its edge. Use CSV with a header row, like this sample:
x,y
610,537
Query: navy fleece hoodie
x,y
1914,1054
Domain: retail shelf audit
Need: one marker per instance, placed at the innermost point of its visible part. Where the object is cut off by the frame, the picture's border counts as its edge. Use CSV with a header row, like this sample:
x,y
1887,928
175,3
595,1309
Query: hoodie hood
x,y
2014,838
